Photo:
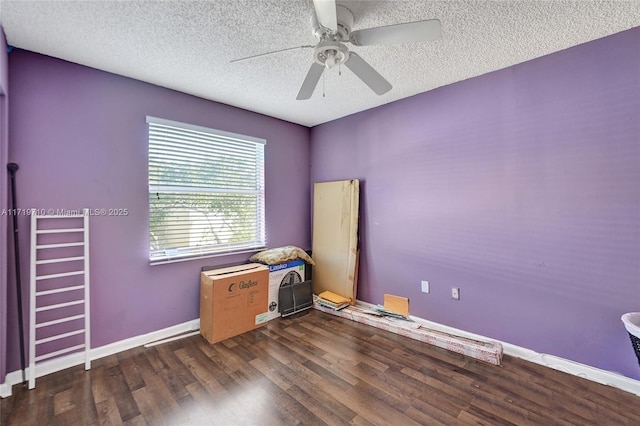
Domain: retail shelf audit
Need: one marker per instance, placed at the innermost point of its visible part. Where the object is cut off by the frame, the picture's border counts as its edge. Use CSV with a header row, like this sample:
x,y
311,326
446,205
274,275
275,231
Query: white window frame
x,y
163,134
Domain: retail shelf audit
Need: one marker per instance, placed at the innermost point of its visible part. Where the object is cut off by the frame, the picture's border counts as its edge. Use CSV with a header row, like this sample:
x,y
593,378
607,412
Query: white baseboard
x,y
10,379
136,341
594,374
61,363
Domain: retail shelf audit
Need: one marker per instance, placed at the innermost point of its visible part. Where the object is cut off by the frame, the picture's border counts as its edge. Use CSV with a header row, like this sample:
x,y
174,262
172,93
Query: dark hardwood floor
x,y
314,369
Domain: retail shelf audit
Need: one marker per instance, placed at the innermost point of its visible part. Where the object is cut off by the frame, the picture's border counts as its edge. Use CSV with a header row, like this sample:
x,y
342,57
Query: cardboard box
x,y
283,273
233,300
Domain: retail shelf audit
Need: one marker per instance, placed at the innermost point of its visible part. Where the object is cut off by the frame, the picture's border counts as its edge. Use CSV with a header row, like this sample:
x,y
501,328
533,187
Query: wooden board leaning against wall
x,y
335,237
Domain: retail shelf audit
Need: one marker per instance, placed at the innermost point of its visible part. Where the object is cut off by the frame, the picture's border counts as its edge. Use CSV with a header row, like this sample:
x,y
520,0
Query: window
x,y
206,191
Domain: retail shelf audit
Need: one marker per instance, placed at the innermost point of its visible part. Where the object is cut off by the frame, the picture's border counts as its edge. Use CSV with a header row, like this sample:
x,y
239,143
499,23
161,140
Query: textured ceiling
x,y
188,45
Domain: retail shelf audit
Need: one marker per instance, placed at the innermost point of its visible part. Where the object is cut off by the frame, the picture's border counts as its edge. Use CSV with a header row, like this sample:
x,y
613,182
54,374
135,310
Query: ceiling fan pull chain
x,y
323,95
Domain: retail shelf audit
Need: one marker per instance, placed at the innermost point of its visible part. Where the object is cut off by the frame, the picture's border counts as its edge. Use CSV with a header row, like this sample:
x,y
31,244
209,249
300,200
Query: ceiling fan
x,y
331,24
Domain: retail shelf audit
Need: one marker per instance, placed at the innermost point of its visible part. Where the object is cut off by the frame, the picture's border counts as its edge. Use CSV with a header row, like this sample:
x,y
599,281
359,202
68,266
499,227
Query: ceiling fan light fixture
x,y
331,59
330,53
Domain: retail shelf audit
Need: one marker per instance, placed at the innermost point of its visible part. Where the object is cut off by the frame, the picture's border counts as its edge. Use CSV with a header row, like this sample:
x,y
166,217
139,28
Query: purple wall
x,y
4,149
80,138
520,187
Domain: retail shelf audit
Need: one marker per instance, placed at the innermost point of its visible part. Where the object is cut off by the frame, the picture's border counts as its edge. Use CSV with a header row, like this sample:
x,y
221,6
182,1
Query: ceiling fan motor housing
x,y
345,23
330,51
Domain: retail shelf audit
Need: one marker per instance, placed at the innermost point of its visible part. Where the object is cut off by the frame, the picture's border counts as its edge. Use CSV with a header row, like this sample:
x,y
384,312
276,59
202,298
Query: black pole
x,y
13,167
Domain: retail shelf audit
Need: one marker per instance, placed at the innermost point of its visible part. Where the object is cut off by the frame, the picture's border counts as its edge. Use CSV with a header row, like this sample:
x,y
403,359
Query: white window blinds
x,y
206,191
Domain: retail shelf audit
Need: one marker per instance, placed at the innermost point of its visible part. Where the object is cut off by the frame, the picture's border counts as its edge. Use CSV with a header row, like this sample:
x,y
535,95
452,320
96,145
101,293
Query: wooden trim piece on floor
x,y
486,350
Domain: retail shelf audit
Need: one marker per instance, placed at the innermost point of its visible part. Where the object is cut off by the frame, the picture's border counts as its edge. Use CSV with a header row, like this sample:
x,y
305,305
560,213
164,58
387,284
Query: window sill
x,y
187,258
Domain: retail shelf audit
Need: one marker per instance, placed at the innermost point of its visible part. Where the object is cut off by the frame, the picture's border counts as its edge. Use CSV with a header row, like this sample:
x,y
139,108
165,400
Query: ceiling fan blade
x,y
269,53
310,82
326,14
367,74
399,33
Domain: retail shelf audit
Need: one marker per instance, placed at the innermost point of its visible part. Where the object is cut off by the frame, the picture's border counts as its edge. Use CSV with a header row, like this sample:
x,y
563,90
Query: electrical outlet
x,y
425,286
455,293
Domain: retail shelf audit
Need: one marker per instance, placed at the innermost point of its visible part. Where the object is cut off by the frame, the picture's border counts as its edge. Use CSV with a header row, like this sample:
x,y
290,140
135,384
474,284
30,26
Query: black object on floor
x,y
13,168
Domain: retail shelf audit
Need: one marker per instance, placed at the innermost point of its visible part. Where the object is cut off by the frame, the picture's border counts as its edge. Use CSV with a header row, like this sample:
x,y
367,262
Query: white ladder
x,y
59,288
